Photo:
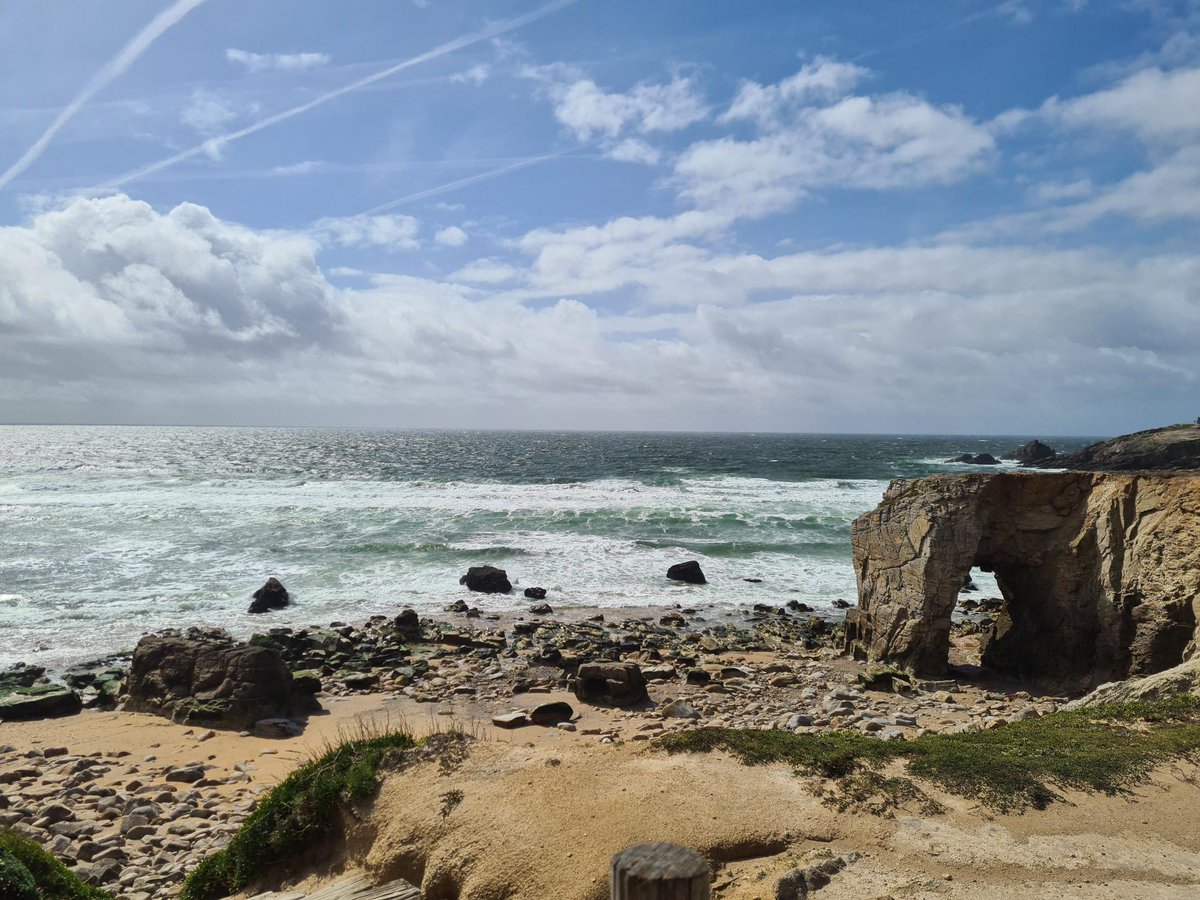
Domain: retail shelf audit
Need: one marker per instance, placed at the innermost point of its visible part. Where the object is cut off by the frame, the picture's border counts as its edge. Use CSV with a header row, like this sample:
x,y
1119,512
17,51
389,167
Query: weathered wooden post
x,y
659,872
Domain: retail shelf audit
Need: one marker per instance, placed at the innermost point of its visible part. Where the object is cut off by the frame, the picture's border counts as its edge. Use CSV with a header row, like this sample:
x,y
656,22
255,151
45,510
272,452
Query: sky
x,y
933,216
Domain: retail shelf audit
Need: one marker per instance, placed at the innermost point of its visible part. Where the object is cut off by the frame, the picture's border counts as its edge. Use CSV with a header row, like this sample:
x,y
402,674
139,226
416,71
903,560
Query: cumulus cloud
x,y
632,150
391,232
589,111
823,79
890,141
452,236
1154,104
181,315
475,75
278,62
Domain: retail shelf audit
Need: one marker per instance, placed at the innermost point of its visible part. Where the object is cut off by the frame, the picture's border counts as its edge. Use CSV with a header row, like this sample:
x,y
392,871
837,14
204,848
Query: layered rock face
x,y
1100,571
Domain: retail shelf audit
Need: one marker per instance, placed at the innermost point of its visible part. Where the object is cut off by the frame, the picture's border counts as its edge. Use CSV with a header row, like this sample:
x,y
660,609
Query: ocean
x,y
110,532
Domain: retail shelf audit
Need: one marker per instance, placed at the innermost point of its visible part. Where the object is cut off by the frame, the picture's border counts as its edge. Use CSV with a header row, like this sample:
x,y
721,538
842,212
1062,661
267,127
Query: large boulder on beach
x,y
486,580
689,572
272,595
205,677
610,683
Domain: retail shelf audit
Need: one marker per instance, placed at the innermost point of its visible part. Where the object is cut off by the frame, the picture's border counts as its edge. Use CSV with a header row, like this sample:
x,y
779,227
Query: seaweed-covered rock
x,y
40,701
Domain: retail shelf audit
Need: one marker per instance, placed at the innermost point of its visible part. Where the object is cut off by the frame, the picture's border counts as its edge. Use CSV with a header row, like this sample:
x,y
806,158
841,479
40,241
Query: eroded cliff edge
x,y
1100,571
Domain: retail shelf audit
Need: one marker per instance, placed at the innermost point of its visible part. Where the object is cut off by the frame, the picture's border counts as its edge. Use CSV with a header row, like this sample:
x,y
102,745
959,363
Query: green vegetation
x,y
51,880
1017,765
296,815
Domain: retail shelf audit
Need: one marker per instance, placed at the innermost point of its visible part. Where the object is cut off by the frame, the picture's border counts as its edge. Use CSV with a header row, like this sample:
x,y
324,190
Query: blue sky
x,y
932,215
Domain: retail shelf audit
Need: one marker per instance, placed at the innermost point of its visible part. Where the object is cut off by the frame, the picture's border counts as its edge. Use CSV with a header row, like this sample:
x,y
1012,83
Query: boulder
x,y
1031,453
1181,679
535,593
408,624
39,701
618,684
515,719
486,580
205,677
550,714
689,572
542,609
272,595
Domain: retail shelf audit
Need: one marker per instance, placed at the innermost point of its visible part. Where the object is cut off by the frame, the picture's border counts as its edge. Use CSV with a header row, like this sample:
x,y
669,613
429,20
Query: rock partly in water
x,y
978,459
689,572
618,684
535,593
205,677
541,609
486,580
1032,453
272,595
1098,571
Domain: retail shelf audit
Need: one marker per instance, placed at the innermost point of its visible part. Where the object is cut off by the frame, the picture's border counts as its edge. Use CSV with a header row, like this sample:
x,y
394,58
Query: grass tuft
x,y
297,814
53,880
1104,749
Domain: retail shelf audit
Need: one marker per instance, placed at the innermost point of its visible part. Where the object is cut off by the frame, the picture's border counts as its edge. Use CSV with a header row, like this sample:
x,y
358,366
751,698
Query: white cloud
x,y
633,150
207,112
1155,105
475,75
452,236
891,141
277,62
824,79
391,232
588,111
182,316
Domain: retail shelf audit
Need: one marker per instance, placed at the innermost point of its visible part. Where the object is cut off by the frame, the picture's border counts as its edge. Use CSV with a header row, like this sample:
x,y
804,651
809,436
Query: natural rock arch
x,y
1100,572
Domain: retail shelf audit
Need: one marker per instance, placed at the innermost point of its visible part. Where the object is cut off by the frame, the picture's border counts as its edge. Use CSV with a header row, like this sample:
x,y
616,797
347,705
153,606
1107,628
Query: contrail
x,y
113,69
458,43
454,185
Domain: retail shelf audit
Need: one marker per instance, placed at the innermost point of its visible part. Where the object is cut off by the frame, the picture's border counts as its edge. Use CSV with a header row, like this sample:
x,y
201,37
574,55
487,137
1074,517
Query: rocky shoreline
x,y
127,821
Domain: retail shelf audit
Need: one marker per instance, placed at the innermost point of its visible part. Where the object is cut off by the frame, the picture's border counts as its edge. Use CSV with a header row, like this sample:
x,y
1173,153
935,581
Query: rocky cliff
x,y
1173,447
1100,571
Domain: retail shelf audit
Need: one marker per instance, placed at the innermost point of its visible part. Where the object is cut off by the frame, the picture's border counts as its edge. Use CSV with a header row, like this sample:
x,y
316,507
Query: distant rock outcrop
x,y
272,595
1031,453
689,572
978,459
1100,571
1173,447
486,580
205,677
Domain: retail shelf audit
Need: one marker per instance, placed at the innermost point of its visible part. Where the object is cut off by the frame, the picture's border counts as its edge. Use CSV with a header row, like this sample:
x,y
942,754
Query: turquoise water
x,y
107,532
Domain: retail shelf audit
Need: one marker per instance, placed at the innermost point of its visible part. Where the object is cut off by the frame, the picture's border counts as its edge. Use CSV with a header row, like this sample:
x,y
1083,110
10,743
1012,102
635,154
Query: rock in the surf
x,y
535,593
272,595
1031,453
689,572
486,580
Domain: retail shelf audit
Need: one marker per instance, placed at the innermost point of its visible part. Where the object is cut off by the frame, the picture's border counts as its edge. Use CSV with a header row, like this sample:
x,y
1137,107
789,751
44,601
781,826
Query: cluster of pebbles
x,y
129,825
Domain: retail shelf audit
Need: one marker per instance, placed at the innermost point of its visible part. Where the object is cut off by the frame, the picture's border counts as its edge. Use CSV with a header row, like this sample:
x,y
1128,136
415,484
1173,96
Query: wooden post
x,y
659,872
